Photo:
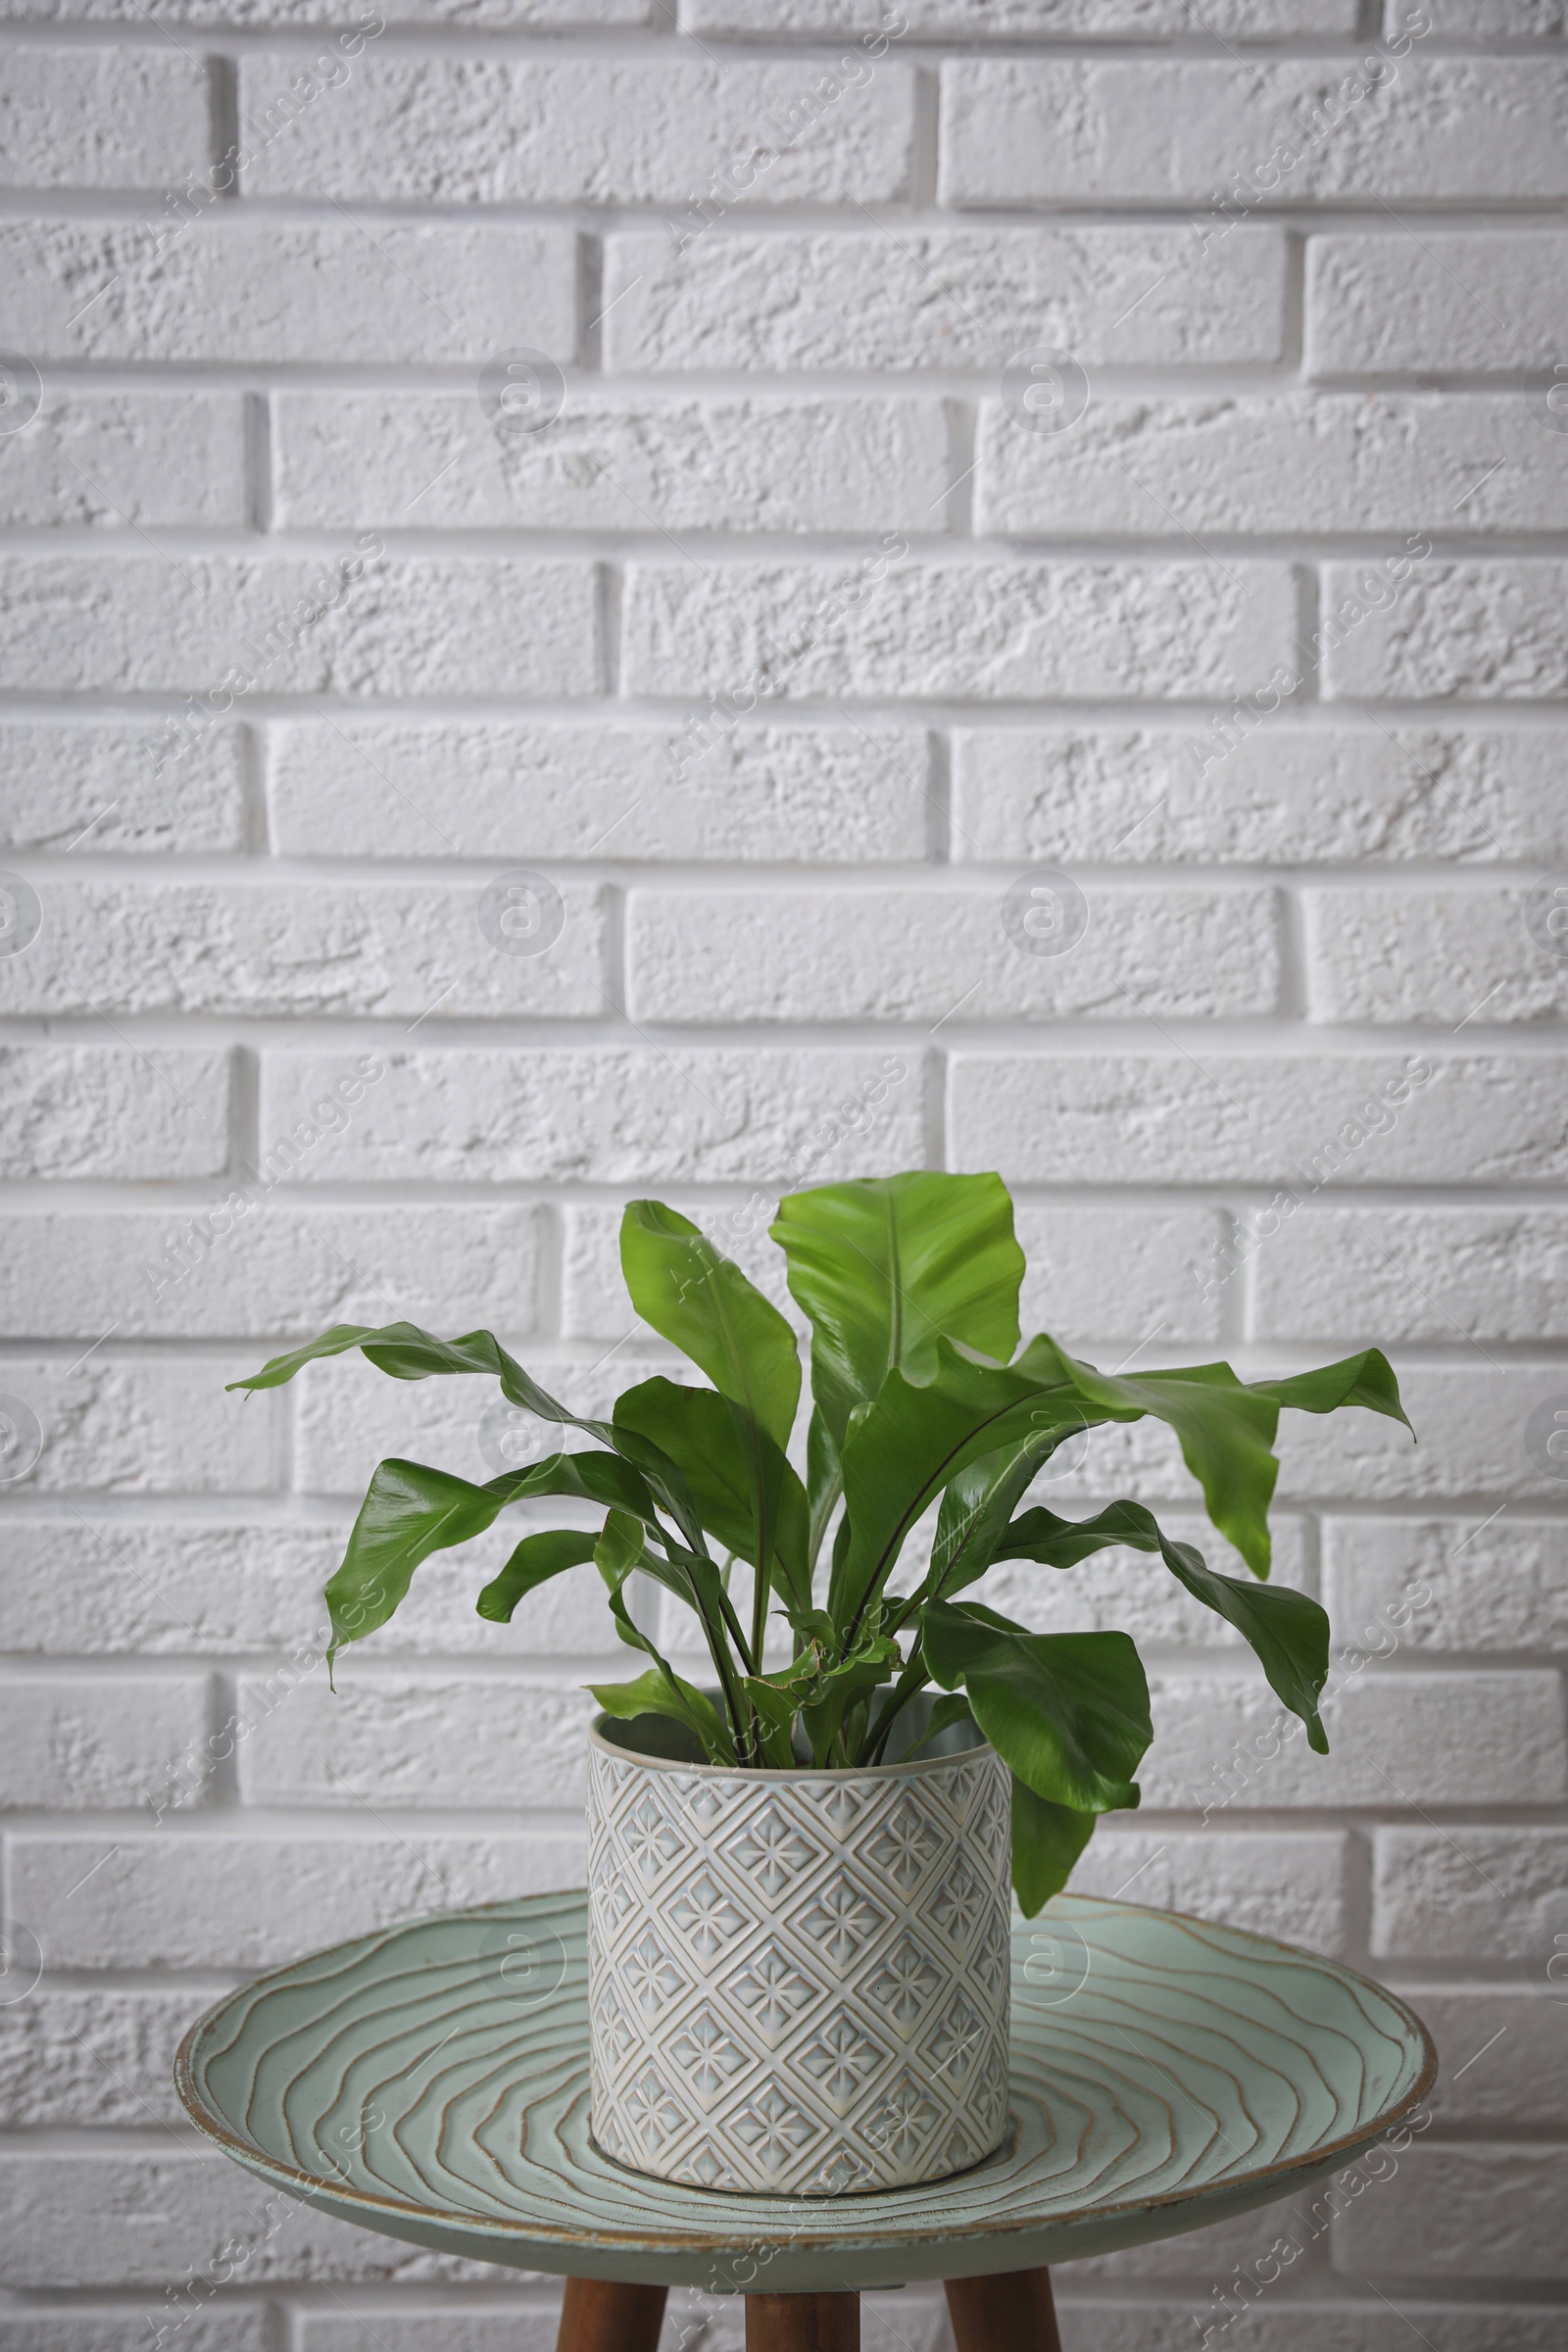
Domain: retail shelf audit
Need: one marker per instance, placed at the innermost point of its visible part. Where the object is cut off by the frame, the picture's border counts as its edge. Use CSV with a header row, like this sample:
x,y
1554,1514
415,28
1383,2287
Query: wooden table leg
x,y
802,2323
601,2315
1009,2312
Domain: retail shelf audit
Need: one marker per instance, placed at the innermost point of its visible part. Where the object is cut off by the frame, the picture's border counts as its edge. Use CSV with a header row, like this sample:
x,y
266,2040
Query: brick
x,y
224,626
231,2328
1471,1417
940,298
115,1111
1324,462
1486,631
928,954
524,14
1033,130
348,1417
1468,302
63,779
399,950
985,631
1461,2213
173,1898
93,1743
1289,1884
494,130
594,1300
429,460
392,1734
117,1587
1364,2326
102,118
489,2328
111,459
405,290
621,1114
1502,1587
510,788
1470,1894
98,2056
1458,1738
1128,1592
1433,1274
1487,19
224,1270
1284,795
176,2215
1422,955
149,1425
1504,2055
1019,20
1114,1273
1165,1119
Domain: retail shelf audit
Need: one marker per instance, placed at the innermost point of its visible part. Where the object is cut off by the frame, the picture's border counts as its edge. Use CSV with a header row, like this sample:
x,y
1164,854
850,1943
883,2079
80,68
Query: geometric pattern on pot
x,y
797,1982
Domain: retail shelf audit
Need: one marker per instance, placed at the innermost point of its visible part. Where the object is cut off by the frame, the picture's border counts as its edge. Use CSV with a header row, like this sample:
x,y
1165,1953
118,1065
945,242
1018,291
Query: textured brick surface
x,y
543,132
926,954
75,784
232,288
791,654
1486,303
987,631
1029,132
1284,795
946,298
689,466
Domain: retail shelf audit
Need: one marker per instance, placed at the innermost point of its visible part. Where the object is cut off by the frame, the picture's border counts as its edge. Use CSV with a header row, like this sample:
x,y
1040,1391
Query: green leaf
x,y
408,1353
825,1482
976,1511
1047,1840
743,1489
1068,1712
409,1512
915,1439
1366,1380
620,1551
886,1266
702,1304
1288,1631
657,1692
536,1559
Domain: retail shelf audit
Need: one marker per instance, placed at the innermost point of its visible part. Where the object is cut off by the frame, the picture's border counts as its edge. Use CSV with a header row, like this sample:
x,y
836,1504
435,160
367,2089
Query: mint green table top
x,y
432,2081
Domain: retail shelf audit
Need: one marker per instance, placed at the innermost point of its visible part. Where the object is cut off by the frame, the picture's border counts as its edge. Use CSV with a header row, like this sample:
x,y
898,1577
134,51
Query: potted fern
x,y
797,1914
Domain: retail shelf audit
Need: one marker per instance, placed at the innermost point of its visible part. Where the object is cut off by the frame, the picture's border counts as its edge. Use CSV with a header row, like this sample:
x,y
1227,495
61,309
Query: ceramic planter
x,y
798,1981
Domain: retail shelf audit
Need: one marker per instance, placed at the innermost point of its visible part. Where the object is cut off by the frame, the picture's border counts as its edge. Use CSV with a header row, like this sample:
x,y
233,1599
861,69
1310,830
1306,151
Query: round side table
x,y
432,2081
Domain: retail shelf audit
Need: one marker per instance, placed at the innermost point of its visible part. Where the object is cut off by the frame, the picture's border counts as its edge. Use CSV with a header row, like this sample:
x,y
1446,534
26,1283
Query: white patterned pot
x,y
798,1981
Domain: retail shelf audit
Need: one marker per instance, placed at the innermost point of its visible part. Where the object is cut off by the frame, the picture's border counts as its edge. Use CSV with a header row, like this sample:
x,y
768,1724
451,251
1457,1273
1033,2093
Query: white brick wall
x,y
784,650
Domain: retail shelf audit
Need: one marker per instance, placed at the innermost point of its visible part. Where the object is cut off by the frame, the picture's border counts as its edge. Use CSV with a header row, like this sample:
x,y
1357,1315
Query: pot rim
x,y
836,1773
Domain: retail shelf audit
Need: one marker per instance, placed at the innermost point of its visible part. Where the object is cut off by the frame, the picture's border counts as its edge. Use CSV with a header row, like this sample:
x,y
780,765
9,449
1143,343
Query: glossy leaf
x,y
1068,1712
745,1492
886,1266
695,1297
1047,1840
617,1554
1287,1630
536,1559
661,1693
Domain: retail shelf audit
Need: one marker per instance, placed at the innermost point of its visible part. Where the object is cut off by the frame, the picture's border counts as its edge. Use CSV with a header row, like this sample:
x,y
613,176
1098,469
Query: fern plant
x,y
921,1399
